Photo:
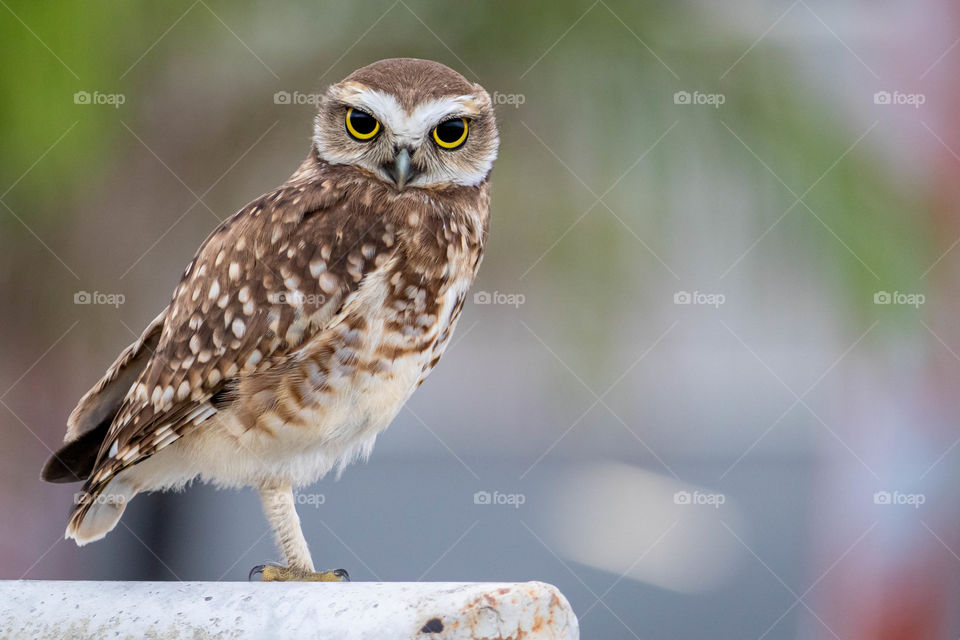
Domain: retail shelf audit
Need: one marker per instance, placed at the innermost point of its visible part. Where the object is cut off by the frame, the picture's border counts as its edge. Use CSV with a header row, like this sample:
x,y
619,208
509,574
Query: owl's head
x,y
409,122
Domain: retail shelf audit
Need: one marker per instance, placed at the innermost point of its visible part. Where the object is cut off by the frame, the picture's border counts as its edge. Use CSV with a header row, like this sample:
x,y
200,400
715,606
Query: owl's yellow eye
x,y
451,134
361,125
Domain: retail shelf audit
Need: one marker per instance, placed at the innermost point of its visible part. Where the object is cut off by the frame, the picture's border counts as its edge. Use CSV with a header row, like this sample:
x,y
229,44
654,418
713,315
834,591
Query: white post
x,y
343,611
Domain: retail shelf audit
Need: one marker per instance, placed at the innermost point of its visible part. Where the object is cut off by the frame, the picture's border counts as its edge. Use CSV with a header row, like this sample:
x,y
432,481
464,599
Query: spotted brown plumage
x,y
304,321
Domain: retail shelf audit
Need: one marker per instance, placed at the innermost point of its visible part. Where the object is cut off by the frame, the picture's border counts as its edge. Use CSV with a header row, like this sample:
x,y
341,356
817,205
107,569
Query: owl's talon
x,y
277,573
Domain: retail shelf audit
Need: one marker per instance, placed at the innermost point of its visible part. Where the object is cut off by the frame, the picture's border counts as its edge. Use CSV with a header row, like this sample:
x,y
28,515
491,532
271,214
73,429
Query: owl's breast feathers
x,y
330,279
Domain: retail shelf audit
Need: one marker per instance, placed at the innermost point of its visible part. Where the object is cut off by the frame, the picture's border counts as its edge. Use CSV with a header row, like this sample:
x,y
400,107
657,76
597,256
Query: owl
x,y
306,320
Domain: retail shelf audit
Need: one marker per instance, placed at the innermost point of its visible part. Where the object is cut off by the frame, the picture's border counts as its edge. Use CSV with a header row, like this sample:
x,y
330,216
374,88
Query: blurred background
x,y
708,382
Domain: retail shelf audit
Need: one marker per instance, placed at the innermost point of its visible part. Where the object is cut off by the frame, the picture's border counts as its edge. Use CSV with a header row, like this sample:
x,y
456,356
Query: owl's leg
x,y
278,505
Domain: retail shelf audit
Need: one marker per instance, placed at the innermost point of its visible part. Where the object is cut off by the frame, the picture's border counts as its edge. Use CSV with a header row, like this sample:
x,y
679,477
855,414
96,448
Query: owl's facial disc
x,y
438,141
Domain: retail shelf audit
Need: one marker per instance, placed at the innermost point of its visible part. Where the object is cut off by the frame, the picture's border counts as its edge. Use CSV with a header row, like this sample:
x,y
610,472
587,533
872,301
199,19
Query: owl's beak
x,y
400,171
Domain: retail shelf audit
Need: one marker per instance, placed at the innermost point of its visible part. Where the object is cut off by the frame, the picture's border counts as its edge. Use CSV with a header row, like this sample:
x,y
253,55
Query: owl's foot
x,y
277,573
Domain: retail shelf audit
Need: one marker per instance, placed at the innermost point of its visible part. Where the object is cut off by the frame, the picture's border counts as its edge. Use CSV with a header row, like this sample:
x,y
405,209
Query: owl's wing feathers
x,y
104,399
88,423
265,282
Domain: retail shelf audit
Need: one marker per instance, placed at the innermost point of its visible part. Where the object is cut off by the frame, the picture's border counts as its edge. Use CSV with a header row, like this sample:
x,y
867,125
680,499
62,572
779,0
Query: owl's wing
x,y
104,399
264,282
88,423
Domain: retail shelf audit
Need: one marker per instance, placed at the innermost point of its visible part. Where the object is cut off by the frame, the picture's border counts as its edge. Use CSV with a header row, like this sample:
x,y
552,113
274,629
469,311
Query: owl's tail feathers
x,y
74,461
98,511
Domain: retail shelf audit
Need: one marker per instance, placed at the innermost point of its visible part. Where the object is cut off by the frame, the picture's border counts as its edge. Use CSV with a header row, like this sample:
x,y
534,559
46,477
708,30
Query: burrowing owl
x,y
306,320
